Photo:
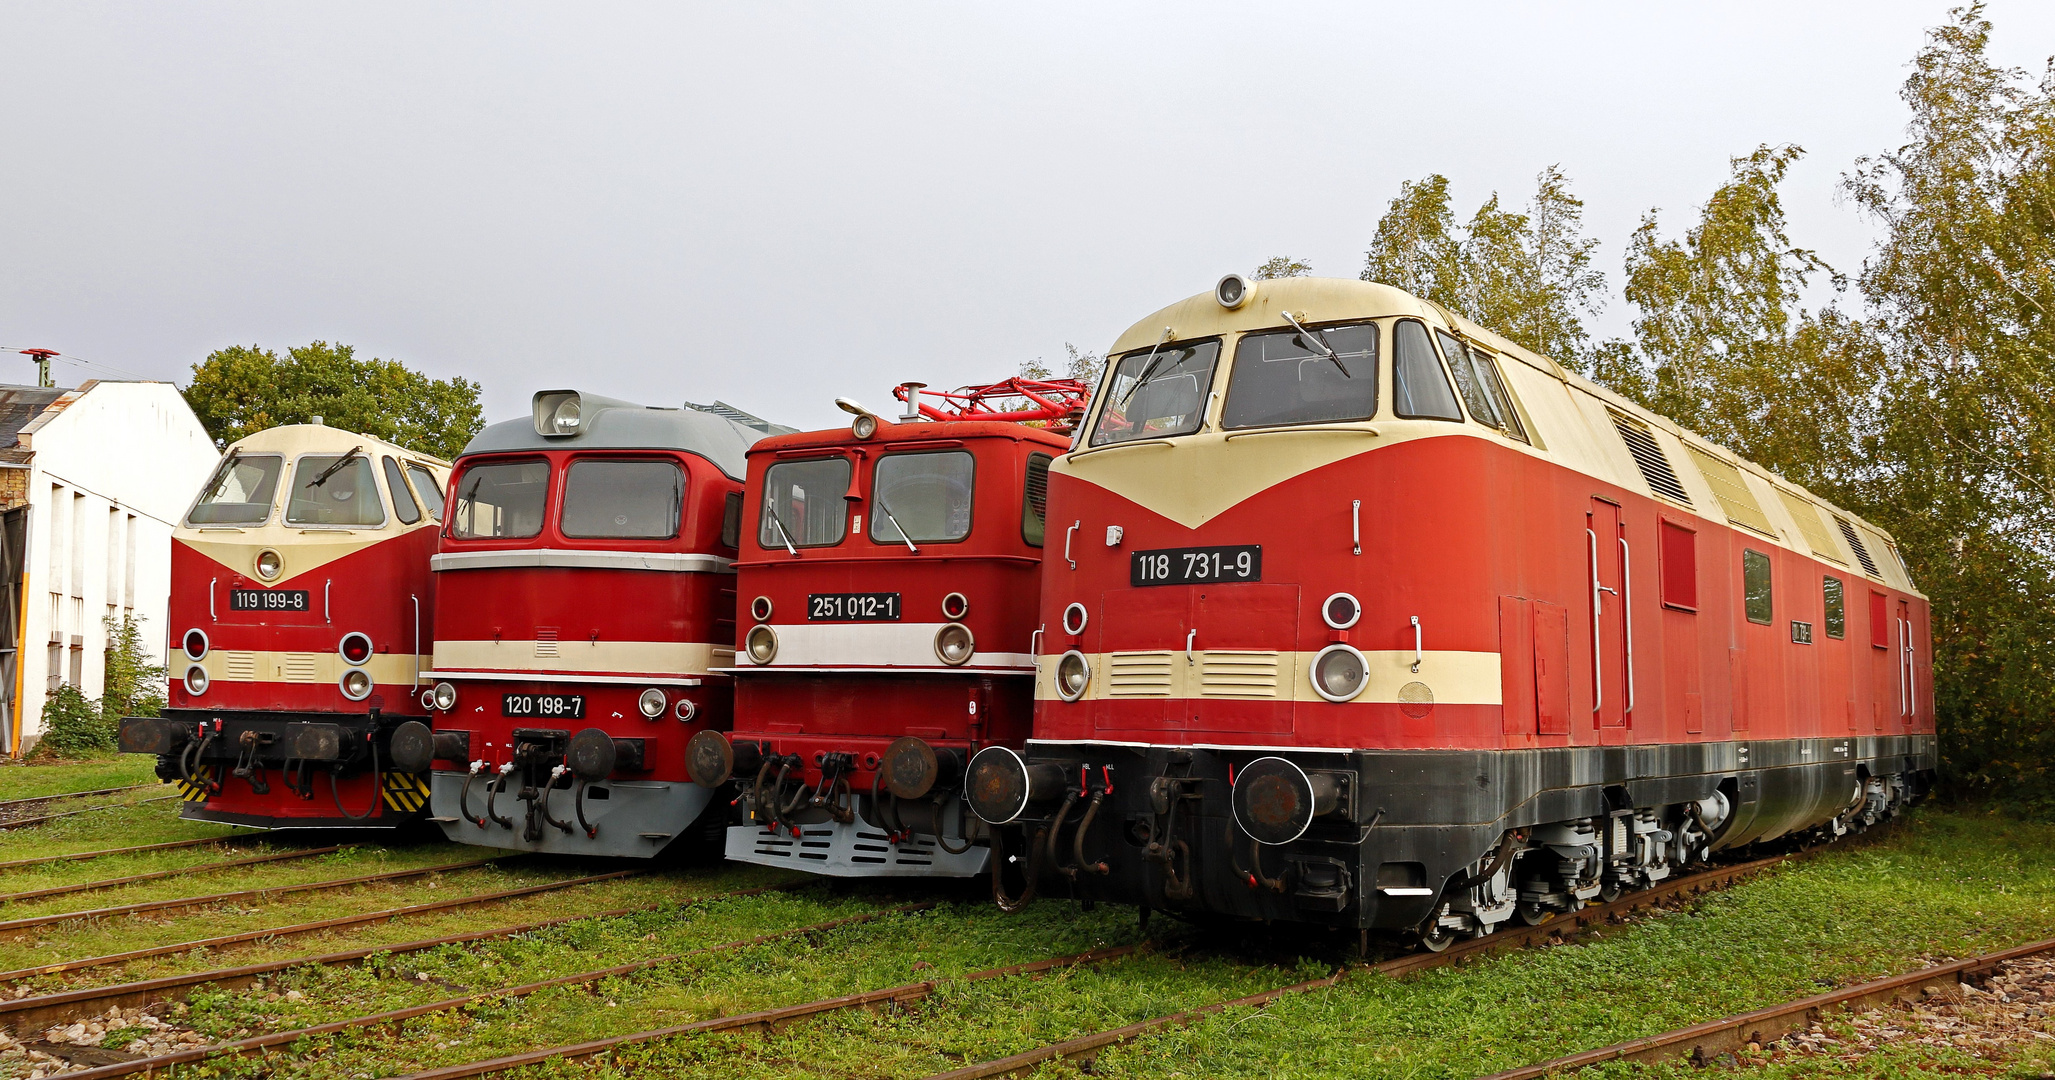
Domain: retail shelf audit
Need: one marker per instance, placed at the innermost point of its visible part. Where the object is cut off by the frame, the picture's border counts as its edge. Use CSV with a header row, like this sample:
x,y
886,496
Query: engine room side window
x,y
1482,408
334,489
924,498
1679,555
1837,607
803,504
430,489
628,500
1034,511
501,500
1284,377
1755,583
1419,389
241,491
731,520
1157,393
403,505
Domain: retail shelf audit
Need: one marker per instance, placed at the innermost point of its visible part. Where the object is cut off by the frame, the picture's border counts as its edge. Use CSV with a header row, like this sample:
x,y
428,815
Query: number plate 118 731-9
x,y
1196,566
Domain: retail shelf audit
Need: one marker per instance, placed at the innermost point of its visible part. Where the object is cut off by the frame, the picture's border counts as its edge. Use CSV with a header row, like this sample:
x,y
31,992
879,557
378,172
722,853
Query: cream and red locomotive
x,y
889,581
299,609
585,615
1358,614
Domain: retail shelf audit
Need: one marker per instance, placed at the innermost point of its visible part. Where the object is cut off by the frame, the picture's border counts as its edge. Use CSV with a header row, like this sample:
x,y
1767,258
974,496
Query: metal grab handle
x,y
417,637
1035,642
1067,534
1189,637
1597,602
1356,524
1418,653
1627,598
327,587
212,615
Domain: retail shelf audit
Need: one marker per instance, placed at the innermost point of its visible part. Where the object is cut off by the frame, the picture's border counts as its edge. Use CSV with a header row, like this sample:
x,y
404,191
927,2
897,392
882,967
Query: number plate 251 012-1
x,y
853,606
1196,565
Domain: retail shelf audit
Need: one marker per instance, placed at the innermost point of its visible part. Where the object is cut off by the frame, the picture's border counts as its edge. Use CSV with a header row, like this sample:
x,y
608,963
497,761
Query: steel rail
x,y
764,1018
158,875
282,1038
22,822
329,924
166,846
39,1011
1564,926
72,795
1708,1040
215,898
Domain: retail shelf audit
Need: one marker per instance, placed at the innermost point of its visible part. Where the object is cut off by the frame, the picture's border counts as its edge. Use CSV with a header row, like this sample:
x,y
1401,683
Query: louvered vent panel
x,y
239,666
1238,673
1138,674
1816,535
1648,454
1732,491
545,641
1869,565
300,667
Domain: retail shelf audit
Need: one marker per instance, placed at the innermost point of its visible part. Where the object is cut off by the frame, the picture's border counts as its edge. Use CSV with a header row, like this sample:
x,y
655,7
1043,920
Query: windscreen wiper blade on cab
x,y
355,452
1324,347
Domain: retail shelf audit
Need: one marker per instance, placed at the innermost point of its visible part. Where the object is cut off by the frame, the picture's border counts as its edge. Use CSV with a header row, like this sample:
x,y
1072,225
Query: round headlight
x,y
269,564
760,609
428,700
1340,673
1341,611
196,643
196,680
355,647
955,606
953,644
864,427
651,703
1073,674
1231,291
564,420
1074,620
762,644
685,709
445,696
356,684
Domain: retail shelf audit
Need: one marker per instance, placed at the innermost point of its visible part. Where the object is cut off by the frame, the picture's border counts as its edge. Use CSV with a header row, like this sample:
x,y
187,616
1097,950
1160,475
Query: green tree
x,y
240,390
135,682
1079,364
1415,246
1282,266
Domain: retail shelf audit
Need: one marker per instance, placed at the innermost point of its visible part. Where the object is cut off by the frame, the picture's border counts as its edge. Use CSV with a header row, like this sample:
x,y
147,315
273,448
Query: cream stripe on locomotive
x,y
839,645
652,657
245,665
1445,677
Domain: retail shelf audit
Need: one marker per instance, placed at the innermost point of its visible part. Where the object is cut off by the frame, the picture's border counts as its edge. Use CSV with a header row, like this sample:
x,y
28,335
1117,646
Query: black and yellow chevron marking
x,y
197,792
405,792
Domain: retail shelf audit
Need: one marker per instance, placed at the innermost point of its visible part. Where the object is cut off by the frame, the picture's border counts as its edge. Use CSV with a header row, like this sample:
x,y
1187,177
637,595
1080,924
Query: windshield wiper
x,y
782,534
887,511
1148,369
355,452
1322,341
220,480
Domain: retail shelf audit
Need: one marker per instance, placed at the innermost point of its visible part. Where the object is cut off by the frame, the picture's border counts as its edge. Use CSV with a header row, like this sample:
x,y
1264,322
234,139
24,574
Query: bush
x,y
73,726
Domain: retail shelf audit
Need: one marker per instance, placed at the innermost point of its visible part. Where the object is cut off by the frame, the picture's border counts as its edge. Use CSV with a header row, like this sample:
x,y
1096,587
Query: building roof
x,y
19,407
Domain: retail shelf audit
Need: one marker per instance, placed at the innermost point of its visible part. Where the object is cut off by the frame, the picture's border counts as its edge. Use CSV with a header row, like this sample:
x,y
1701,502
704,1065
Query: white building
x,y
91,482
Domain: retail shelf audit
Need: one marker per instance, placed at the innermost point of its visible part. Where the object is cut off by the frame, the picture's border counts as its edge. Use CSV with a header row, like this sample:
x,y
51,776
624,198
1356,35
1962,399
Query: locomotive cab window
x,y
626,500
731,520
334,490
426,486
403,505
803,504
1034,510
1837,607
1157,393
1483,390
1419,388
1755,583
500,500
241,493
1325,375
922,498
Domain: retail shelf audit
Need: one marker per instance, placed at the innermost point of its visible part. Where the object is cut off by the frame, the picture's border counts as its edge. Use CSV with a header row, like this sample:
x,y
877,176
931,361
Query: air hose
x,y
1014,904
962,823
542,800
377,785
578,806
492,789
464,793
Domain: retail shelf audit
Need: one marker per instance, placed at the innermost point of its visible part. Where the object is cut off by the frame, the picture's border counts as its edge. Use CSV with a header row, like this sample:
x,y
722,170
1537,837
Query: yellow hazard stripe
x,y
405,792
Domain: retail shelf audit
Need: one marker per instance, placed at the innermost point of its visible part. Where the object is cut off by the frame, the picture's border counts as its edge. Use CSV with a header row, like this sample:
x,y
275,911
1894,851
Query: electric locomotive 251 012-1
x,y
890,582
586,603
299,607
1368,617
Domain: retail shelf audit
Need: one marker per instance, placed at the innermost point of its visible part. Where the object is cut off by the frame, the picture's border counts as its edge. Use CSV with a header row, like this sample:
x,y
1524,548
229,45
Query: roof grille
x,y
1869,565
1732,491
1808,517
1655,465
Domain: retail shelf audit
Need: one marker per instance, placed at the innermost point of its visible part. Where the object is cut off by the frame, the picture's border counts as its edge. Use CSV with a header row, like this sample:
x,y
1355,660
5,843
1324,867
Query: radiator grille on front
x,y
1138,674
1238,673
1732,491
239,666
1869,565
300,667
1648,454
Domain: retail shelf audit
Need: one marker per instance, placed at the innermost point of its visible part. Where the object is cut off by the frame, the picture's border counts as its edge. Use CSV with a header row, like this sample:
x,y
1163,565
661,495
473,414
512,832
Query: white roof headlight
x,y
558,412
1340,673
865,426
651,703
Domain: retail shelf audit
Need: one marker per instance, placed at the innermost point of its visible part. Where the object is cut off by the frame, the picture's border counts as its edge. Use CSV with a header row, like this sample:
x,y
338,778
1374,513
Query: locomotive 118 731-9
x,y
299,609
1365,616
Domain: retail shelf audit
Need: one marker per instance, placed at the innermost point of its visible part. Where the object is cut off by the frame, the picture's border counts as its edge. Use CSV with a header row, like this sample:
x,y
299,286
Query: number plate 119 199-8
x,y
1196,565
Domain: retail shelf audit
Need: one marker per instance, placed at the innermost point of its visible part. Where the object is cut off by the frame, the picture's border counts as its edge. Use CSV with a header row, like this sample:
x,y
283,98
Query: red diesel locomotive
x,y
299,603
890,582
587,607
1367,617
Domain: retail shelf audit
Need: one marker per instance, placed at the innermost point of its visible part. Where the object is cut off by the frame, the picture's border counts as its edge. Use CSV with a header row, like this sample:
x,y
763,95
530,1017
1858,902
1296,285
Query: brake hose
x,y
1014,904
942,834
464,793
377,777
542,800
1077,842
1055,830
492,789
756,804
578,805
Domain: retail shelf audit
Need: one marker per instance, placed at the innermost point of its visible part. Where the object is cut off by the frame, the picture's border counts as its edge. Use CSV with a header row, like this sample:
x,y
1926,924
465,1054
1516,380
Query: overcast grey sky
x,y
774,205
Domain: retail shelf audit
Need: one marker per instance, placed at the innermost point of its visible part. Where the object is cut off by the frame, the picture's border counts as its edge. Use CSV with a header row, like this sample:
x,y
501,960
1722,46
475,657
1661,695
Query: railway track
x,y
18,823
159,875
10,804
168,845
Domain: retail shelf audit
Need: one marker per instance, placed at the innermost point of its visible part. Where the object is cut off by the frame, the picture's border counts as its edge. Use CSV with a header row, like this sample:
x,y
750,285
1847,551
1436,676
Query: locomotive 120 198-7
x,y
1365,616
585,612
889,583
299,609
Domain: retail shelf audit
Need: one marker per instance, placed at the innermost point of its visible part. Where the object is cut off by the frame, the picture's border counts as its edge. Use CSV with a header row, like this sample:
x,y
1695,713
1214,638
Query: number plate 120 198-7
x,y
853,606
1196,565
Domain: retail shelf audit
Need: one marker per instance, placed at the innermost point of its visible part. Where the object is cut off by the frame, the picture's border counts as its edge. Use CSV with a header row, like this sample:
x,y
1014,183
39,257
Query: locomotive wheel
x,y
1435,937
1610,891
1533,914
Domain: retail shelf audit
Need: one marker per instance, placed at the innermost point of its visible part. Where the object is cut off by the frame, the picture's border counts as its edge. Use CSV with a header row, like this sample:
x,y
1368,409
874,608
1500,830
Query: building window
x,y
1755,581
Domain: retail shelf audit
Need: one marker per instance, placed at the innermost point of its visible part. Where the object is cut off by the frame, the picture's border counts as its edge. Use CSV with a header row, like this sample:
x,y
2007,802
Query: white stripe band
x,y
676,562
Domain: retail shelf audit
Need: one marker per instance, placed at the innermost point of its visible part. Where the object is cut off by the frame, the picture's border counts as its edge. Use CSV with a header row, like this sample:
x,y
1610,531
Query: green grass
x,y
28,781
